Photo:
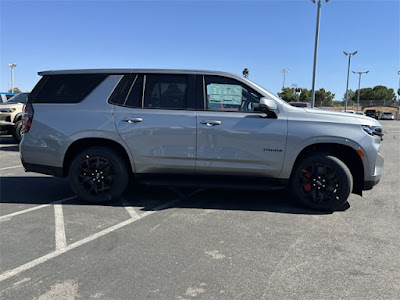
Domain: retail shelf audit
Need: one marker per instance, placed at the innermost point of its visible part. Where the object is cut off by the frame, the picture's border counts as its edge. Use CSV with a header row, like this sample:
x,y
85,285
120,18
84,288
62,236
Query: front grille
x,y
6,118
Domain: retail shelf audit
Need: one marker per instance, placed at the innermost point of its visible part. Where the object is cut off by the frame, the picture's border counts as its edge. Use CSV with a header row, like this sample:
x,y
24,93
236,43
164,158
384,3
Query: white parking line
x,y
61,240
132,212
34,208
10,273
13,167
23,211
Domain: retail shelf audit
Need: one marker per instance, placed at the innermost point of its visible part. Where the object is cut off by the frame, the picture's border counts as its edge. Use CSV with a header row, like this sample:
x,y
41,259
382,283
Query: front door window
x,y
225,94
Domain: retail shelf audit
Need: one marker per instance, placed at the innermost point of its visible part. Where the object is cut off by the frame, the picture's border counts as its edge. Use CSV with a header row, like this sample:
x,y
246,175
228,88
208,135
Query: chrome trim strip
x,y
144,88
130,90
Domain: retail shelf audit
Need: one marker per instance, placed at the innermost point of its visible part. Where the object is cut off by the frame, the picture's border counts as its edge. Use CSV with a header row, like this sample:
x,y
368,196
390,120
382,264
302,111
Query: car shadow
x,y
278,201
45,190
7,143
10,148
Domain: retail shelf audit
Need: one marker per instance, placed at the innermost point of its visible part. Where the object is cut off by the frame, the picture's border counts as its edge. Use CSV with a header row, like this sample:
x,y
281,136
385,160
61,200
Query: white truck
x,y
11,116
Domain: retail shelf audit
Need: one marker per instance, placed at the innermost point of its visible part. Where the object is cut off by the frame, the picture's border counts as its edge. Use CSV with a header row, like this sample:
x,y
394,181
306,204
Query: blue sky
x,y
264,36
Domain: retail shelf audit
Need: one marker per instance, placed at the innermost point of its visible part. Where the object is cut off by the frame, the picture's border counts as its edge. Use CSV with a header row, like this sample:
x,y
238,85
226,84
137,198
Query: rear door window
x,y
128,91
167,91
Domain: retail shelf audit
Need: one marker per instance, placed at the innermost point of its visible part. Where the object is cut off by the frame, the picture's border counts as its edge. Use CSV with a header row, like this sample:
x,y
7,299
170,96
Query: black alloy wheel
x,y
98,175
322,182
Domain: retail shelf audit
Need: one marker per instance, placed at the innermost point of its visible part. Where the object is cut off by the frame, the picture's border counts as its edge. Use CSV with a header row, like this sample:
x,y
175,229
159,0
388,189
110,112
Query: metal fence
x,y
380,106
364,103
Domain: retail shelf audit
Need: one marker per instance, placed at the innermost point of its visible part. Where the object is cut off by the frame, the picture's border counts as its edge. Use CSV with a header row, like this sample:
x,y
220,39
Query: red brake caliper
x,y
307,186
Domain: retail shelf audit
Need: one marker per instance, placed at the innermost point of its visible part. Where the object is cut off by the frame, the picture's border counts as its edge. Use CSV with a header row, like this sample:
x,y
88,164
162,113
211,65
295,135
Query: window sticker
x,y
224,94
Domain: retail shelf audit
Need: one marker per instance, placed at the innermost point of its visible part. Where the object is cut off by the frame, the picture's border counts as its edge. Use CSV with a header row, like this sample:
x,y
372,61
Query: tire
x,y
321,182
98,175
18,131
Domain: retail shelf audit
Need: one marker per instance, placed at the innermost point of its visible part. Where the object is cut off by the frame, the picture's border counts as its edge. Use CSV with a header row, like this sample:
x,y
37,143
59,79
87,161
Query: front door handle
x,y
210,122
132,120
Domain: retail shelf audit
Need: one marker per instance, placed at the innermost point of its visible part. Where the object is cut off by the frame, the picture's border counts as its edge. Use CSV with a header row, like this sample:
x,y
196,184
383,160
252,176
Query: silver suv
x,y
100,127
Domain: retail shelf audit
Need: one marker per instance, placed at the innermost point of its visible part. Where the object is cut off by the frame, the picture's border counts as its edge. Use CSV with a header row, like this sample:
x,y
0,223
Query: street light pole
x,y
12,66
284,71
398,91
316,51
348,73
359,84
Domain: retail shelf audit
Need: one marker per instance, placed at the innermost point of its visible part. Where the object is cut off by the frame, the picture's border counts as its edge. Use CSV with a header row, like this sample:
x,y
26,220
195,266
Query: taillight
x,y
28,116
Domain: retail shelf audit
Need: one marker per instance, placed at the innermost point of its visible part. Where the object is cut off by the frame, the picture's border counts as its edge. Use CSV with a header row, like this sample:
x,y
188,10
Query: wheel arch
x,y
346,154
81,144
18,117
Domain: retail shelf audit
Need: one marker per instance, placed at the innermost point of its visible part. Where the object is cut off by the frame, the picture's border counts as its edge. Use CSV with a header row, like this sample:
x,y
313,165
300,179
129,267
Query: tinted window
x,y
19,98
71,88
227,94
119,94
135,95
166,91
128,91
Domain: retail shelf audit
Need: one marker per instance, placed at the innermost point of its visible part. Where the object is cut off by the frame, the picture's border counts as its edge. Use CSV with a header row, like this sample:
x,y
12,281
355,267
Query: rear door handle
x,y
210,122
132,120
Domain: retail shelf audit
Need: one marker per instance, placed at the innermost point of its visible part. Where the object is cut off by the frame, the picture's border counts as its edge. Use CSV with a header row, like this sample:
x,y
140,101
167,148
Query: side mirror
x,y
268,105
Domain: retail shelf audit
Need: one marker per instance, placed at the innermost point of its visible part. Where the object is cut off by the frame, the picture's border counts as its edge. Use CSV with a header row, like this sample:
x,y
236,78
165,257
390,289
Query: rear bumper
x,y
47,170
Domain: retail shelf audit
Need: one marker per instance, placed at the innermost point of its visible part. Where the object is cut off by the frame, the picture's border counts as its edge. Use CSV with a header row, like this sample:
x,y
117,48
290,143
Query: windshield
x,y
19,98
267,93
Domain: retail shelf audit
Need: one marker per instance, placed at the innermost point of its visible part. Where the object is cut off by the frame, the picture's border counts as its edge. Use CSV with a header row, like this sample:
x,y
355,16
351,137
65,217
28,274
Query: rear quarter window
x,y
65,88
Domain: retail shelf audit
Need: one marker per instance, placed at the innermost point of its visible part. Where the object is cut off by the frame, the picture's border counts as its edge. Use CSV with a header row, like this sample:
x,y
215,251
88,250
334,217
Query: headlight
x,y
373,130
7,110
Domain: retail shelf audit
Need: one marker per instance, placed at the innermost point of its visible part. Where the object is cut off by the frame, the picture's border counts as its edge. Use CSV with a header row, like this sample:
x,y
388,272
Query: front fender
x,y
17,117
294,149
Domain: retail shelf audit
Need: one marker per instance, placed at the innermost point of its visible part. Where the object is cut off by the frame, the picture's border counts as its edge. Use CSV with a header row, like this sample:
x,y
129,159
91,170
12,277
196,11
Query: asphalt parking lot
x,y
173,243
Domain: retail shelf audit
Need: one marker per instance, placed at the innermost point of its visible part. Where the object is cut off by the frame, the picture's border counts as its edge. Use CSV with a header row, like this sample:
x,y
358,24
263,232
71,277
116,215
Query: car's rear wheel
x,y
18,131
321,182
98,174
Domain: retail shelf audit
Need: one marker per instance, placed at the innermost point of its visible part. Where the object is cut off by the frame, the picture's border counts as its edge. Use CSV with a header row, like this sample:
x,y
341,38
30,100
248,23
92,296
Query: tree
x,y
16,90
289,95
305,95
379,92
383,93
323,97
351,95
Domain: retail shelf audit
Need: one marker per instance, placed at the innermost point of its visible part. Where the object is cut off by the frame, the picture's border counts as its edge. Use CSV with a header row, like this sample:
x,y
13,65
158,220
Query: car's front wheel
x,y
321,181
98,174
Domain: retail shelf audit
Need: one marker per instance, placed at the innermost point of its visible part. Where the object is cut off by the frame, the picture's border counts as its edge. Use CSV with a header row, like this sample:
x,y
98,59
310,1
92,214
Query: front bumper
x,y
373,180
6,126
368,185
